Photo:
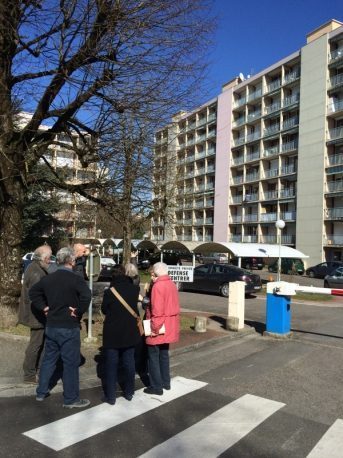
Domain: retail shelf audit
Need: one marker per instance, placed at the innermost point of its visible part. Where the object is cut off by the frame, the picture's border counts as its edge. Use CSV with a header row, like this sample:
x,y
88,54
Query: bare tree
x,y
68,61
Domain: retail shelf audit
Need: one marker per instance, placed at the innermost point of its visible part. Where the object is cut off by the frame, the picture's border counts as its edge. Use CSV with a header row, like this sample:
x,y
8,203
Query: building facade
x,y
268,147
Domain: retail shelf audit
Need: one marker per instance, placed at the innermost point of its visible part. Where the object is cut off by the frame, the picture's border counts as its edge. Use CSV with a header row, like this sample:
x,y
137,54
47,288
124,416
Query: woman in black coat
x,y
120,334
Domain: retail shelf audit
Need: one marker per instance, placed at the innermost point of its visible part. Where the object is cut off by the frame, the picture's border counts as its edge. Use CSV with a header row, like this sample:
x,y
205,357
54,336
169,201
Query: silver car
x,y
335,279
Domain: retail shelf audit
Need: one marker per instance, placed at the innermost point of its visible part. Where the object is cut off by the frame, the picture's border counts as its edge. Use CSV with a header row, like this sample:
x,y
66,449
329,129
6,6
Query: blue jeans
x,y
159,374
64,343
112,356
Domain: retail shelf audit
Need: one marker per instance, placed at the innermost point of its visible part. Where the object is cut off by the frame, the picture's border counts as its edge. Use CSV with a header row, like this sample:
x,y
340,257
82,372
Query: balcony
x,y
289,101
191,126
236,238
287,192
238,160
249,239
238,141
208,220
271,108
288,169
209,187
271,130
268,217
210,152
250,218
201,121
270,195
190,159
199,221
288,239
288,216
186,238
335,107
289,146
252,176
253,136
237,180
238,122
208,238
335,55
190,141
237,199
199,188
268,239
335,134
335,81
210,169
333,239
200,138
212,117
254,95
200,155
211,133
289,123
239,102
254,115
273,86
335,186
335,159
253,156
236,218
199,204
292,76
334,213
271,173
271,151
251,197
199,171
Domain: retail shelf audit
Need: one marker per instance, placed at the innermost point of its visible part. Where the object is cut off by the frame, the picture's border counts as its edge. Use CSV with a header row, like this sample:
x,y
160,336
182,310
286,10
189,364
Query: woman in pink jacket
x,y
164,309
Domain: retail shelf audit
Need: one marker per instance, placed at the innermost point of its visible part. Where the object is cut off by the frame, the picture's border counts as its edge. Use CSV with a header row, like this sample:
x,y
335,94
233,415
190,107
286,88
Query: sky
x,y
252,35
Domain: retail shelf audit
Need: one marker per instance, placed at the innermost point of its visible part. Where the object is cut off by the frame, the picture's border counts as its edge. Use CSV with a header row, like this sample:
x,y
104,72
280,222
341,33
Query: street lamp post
x,y
280,224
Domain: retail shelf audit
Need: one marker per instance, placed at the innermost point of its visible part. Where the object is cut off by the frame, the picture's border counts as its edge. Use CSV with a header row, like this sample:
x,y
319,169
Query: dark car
x,y
215,278
249,263
335,279
106,267
288,266
172,259
323,269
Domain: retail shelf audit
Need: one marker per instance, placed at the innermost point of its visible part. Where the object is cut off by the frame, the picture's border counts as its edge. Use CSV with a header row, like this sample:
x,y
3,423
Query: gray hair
x,y
65,256
41,253
160,268
131,270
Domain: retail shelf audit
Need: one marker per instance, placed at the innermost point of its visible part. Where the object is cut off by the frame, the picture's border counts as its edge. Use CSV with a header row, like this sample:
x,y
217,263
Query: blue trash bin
x,y
278,314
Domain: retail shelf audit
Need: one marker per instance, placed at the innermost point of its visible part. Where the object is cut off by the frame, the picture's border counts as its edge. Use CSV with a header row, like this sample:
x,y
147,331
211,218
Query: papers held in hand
x,y
147,328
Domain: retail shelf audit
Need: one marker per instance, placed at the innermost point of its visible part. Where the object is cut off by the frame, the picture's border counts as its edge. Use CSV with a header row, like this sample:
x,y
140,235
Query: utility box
x,y
278,312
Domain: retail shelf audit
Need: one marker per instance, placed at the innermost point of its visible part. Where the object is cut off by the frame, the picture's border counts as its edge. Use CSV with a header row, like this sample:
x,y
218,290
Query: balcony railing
x,y
200,138
252,176
237,180
270,195
335,107
254,115
238,122
253,136
209,187
210,152
237,199
238,141
274,129
209,203
268,217
208,238
271,173
335,55
333,239
335,159
236,237
287,169
273,86
200,155
289,123
254,95
201,122
249,239
187,238
252,218
253,156
292,76
212,117
208,220
271,108
334,213
288,216
268,239
336,81
210,169
199,171
238,160
190,159
251,197
271,151
236,218
287,193
288,239
292,100
334,186
199,221
289,146
336,133
239,102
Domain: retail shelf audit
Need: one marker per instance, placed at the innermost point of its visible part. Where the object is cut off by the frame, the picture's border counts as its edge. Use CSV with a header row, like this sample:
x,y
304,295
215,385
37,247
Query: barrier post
x,y
236,305
278,312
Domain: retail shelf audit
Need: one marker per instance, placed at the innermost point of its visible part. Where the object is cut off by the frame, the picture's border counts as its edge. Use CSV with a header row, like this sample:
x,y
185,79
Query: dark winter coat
x,y
120,327
26,315
59,291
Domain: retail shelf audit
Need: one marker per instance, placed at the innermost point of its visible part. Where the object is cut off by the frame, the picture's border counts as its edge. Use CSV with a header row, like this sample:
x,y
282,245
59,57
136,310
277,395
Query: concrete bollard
x,y
200,323
236,305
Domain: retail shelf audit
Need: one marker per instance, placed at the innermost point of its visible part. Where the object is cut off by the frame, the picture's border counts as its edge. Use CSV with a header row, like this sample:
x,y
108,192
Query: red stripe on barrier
x,y
337,292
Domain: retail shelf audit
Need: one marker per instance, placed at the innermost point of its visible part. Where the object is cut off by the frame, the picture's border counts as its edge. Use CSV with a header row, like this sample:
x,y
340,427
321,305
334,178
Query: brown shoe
x,y
31,380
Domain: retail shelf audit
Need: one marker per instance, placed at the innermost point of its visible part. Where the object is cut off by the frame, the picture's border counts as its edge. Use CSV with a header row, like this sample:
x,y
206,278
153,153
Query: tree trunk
x,y
127,242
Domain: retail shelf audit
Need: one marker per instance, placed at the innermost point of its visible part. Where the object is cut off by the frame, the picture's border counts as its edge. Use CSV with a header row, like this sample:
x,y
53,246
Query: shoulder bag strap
x,y
123,302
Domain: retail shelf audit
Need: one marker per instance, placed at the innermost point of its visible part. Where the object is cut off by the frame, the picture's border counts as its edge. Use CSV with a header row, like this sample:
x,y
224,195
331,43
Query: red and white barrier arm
x,y
315,289
283,288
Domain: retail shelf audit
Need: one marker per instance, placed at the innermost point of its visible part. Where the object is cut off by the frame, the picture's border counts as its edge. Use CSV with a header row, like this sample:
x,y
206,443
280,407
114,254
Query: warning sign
x,y
181,273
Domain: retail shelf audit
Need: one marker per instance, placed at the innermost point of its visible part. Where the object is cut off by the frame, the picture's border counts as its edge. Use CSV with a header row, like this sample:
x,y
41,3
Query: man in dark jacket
x,y
32,318
63,296
81,253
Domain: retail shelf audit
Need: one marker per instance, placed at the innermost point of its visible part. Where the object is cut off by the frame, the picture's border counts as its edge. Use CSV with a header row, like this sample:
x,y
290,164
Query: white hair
x,y
41,253
131,270
65,256
160,268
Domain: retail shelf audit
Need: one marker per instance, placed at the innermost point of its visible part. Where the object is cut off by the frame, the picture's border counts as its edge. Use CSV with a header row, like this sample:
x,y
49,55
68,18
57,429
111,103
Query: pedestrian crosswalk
x,y
211,436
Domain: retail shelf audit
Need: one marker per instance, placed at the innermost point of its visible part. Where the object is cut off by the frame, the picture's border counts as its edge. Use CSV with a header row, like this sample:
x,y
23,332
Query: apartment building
x,y
276,152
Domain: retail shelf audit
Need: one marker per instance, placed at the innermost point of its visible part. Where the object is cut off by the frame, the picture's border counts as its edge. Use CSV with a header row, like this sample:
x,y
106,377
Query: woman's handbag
x,y
129,309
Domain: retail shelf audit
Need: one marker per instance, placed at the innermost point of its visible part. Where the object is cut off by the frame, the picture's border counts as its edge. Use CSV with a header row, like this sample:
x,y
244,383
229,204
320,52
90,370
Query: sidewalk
x,y
13,349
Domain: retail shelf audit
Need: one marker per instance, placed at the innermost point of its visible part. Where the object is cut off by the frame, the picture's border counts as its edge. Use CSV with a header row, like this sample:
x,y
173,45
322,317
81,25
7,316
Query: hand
x,y
73,312
153,334
45,311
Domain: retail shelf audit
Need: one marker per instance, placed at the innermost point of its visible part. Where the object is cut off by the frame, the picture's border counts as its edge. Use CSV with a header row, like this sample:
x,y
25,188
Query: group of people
x,y
52,305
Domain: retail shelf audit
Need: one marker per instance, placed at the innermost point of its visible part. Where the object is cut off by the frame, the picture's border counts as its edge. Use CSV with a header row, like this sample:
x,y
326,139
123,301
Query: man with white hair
x,y
164,309
31,318
63,296
81,253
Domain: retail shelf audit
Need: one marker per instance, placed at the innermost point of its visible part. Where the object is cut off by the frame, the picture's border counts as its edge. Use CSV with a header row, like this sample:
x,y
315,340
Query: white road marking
x,y
75,428
331,444
216,433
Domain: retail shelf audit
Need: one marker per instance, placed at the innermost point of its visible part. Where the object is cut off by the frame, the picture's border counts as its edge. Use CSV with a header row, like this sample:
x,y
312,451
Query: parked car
x,y
288,266
249,263
213,257
215,278
323,269
335,279
106,267
172,259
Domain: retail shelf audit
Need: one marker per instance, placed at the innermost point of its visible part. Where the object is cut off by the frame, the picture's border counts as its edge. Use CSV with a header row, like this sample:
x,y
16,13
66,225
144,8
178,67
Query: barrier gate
x,y
278,313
